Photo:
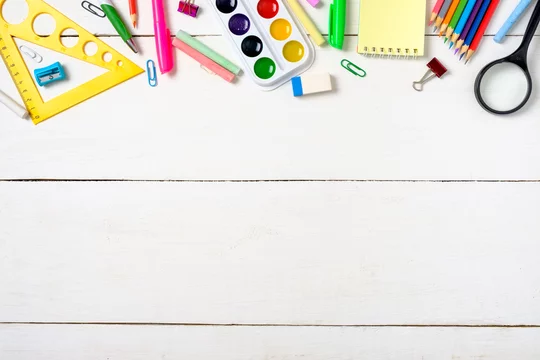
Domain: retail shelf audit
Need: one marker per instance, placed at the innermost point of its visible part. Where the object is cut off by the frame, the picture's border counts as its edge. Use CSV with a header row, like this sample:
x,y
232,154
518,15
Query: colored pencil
x,y
468,26
474,28
133,12
462,21
455,19
448,16
435,11
481,30
442,13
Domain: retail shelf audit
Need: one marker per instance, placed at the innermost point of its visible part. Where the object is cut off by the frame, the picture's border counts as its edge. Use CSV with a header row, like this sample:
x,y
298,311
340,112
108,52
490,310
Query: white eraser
x,y
310,84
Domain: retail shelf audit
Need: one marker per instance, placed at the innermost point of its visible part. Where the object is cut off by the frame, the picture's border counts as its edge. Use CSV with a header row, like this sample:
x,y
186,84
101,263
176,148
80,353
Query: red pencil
x,y
481,29
133,12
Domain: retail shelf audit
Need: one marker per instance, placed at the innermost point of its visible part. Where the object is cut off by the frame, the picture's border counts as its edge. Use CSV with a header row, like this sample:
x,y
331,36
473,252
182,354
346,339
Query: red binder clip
x,y
188,7
435,69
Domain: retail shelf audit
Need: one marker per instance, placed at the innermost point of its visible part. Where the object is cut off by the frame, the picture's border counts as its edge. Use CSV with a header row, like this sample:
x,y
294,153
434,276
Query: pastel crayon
x,y
204,61
514,17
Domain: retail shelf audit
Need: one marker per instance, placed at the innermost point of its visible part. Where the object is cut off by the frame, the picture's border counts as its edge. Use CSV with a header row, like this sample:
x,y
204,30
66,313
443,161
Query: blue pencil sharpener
x,y
49,74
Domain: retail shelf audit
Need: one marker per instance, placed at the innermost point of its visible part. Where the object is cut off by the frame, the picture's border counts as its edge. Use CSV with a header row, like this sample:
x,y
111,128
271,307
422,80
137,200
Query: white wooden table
x,y
204,220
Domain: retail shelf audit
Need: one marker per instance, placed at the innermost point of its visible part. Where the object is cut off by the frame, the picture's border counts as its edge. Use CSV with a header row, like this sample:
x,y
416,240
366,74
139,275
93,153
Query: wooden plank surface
x,y
38,342
191,127
196,126
337,253
353,260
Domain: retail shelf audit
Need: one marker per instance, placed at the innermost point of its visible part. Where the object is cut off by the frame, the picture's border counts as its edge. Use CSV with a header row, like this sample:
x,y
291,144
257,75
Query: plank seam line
x,y
71,323
219,35
271,180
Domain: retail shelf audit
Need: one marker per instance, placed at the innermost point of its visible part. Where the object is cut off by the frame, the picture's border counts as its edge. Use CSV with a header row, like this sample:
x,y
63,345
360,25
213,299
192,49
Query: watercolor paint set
x,y
271,44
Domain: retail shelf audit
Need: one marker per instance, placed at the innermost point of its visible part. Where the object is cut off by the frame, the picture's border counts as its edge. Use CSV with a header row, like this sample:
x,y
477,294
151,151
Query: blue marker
x,y
514,17
462,21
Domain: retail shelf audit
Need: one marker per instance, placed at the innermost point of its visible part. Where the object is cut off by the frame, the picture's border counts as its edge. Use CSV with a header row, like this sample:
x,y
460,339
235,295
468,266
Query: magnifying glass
x,y
504,86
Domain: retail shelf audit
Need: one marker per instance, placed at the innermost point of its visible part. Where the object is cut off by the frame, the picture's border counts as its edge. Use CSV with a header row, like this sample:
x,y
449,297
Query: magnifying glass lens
x,y
504,87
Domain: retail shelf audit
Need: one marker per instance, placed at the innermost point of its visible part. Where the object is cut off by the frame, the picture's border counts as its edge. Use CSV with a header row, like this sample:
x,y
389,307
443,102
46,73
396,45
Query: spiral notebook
x,y
392,27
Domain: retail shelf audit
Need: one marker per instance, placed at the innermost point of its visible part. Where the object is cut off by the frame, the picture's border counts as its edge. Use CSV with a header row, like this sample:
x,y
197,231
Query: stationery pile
x,y
268,35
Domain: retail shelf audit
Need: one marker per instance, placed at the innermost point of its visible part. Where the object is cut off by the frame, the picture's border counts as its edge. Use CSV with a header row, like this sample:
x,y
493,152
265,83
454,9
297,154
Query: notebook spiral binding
x,y
397,53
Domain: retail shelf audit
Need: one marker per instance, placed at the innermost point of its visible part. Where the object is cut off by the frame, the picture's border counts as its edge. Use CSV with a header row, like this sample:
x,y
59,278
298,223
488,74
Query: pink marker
x,y
204,61
313,2
163,38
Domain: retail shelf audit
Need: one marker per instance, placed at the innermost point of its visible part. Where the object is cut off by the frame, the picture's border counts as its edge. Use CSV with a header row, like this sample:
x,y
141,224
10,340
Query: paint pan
x,y
270,43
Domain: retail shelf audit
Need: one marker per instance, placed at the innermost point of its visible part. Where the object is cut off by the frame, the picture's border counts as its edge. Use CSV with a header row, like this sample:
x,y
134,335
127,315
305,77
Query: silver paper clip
x,y
93,9
151,72
31,53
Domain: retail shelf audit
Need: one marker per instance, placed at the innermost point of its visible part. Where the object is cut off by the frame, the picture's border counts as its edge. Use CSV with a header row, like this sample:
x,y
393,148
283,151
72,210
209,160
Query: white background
x,y
207,220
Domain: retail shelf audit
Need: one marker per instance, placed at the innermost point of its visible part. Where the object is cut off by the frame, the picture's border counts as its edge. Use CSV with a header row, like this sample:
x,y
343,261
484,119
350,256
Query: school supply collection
x,y
119,67
269,37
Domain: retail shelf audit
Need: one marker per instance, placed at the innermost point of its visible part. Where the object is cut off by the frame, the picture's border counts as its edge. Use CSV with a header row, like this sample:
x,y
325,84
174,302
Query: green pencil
x,y
455,19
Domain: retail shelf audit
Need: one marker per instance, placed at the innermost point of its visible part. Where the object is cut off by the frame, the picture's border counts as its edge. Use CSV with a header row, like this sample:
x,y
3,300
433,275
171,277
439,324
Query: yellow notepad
x,y
392,27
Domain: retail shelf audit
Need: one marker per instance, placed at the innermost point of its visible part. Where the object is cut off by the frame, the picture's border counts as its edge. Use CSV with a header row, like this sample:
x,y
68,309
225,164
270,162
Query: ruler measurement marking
x,y
16,76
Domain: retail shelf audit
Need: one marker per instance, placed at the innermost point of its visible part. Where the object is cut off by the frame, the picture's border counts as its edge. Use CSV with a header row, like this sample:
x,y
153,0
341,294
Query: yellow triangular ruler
x,y
119,68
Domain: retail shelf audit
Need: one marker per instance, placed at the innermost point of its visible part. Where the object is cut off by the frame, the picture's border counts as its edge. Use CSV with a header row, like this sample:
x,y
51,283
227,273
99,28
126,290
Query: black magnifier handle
x,y
531,29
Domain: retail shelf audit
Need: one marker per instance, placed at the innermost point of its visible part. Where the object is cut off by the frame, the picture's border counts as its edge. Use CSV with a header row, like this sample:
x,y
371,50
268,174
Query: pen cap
x,y
336,23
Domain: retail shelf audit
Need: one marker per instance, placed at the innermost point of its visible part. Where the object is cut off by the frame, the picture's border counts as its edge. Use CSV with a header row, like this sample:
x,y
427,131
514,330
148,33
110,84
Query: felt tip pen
x,y
163,38
118,24
336,23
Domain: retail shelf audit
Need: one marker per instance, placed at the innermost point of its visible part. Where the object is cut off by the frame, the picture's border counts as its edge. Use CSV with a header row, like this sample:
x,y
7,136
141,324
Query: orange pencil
x,y
448,16
133,12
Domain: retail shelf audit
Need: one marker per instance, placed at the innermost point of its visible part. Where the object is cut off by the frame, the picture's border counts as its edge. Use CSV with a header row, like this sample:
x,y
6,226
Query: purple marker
x,y
469,24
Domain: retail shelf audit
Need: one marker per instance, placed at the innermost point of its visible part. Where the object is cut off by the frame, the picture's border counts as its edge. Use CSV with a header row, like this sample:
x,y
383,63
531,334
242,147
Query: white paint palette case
x,y
271,44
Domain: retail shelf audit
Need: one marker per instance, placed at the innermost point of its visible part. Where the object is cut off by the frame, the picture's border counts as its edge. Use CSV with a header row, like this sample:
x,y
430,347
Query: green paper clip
x,y
353,68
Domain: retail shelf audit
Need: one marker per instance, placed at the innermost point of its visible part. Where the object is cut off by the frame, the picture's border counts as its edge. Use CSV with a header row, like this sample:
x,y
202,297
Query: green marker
x,y
455,18
336,23
118,24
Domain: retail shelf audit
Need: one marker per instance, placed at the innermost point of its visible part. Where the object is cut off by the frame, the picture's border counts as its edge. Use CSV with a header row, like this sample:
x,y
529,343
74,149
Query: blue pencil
x,y
474,28
462,21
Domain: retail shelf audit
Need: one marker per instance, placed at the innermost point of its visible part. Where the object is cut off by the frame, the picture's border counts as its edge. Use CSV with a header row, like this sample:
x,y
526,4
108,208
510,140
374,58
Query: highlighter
x,y
336,23
163,38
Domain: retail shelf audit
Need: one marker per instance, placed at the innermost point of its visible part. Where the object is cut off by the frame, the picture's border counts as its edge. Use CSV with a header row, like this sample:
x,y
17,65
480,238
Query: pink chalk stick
x,y
203,60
